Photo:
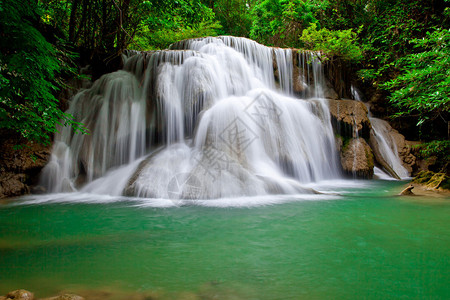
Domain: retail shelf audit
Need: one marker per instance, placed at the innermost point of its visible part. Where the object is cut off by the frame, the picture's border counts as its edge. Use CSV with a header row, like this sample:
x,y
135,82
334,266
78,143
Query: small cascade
x,y
284,63
355,147
388,147
202,120
311,79
385,147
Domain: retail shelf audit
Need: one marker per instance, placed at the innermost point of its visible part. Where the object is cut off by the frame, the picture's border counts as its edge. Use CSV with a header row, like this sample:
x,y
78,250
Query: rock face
x,y
19,169
402,146
349,118
404,150
357,159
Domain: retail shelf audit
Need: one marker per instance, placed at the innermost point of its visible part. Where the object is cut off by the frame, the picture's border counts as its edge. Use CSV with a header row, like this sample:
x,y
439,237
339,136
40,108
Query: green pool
x,y
365,243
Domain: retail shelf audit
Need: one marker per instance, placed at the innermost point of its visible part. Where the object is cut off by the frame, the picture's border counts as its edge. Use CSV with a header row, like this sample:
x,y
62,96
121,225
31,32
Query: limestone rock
x,y
20,295
329,92
404,150
12,184
19,169
349,118
397,144
357,159
407,191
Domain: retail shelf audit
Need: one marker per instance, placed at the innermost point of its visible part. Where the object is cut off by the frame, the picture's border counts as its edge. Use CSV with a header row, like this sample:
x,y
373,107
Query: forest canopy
x,y
396,48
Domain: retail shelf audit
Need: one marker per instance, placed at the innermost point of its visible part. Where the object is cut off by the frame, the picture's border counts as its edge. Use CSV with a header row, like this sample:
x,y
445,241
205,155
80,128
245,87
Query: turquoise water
x,y
366,243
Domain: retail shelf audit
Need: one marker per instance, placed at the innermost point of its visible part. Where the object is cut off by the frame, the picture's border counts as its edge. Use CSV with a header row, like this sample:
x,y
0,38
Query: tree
x,y
280,22
177,20
29,68
234,16
423,86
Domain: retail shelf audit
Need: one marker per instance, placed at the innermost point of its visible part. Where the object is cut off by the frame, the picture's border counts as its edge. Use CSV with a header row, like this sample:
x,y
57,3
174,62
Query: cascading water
x,y
202,120
385,144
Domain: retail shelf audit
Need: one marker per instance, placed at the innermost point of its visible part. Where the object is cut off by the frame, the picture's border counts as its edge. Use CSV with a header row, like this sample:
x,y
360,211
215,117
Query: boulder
x,y
407,191
349,118
357,158
19,168
12,184
329,92
20,295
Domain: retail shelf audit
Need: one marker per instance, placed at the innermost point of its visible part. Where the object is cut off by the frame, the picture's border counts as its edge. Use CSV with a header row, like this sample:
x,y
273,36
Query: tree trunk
x,y
73,13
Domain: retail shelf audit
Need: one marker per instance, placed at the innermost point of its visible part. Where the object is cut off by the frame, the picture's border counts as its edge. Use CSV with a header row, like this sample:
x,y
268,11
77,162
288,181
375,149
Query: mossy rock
x,y
433,180
439,180
423,177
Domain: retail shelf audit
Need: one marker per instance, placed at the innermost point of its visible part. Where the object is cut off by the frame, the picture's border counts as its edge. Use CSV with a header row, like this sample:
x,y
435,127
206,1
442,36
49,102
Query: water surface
x,y
365,243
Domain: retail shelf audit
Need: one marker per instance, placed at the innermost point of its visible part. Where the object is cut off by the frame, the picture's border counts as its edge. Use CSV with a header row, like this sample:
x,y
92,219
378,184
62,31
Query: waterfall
x,y
207,118
385,144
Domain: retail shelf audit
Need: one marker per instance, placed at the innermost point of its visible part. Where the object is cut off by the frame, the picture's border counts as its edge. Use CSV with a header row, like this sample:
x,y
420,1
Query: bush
x,y
339,43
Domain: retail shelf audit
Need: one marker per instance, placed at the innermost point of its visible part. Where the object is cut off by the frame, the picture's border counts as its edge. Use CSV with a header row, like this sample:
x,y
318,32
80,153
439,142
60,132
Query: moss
x,y
433,180
423,177
369,158
439,180
345,142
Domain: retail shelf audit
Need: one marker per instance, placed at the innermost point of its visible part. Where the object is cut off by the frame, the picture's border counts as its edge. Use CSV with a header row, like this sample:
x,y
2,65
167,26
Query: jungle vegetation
x,y
398,49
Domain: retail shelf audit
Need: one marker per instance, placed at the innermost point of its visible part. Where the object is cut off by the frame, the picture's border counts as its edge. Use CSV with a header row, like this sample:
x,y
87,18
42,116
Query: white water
x,y
214,106
387,146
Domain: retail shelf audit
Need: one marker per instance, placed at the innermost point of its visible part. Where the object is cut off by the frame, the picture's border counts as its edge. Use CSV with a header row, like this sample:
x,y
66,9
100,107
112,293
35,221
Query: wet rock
x,y
20,295
357,158
403,147
19,169
373,142
329,92
298,86
349,118
38,190
12,184
407,191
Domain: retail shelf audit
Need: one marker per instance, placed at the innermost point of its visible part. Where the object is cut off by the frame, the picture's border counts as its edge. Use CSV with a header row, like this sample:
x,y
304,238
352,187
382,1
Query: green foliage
x,y
280,22
423,85
29,67
340,14
234,16
440,149
339,43
161,39
176,21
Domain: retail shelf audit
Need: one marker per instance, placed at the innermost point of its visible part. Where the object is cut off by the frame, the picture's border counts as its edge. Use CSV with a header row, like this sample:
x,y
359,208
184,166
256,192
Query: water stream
x,y
210,118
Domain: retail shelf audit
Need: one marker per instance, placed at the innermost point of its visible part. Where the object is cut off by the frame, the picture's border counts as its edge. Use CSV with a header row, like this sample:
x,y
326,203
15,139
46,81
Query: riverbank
x,y
427,192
